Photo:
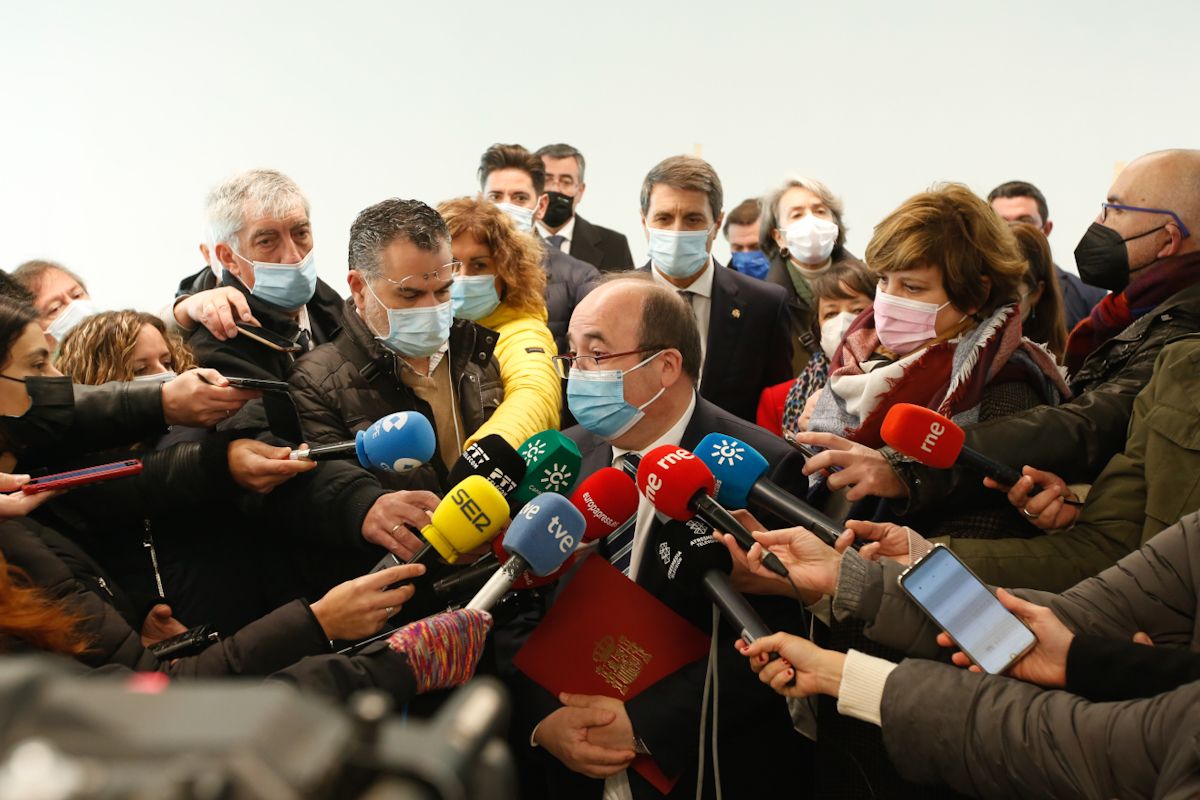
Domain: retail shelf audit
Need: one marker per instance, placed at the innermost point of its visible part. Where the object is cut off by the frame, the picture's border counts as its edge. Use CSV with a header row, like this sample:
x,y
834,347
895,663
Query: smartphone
x,y
188,643
804,449
80,477
258,384
269,338
965,608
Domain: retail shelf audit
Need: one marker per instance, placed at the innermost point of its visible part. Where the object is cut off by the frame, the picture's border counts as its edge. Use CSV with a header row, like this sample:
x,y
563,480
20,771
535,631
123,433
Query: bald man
x,y
1143,245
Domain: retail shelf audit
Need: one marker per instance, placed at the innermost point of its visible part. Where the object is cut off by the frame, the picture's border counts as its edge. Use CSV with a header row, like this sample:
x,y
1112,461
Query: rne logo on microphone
x,y
674,458
653,484
470,509
727,453
936,429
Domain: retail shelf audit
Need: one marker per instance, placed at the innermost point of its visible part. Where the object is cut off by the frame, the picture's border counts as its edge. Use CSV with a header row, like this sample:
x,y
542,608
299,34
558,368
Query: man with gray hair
x,y
743,322
560,223
262,238
400,350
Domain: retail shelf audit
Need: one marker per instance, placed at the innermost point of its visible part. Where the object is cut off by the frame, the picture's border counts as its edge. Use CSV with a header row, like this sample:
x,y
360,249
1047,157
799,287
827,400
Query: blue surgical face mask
x,y
285,285
597,399
415,332
474,296
678,254
750,262
521,217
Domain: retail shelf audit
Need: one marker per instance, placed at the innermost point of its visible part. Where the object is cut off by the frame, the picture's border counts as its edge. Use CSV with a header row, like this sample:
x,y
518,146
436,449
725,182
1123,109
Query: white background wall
x,y
118,116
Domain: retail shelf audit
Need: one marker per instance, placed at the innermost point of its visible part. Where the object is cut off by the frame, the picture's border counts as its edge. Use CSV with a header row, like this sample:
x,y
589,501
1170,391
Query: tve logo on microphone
x,y
470,509
566,541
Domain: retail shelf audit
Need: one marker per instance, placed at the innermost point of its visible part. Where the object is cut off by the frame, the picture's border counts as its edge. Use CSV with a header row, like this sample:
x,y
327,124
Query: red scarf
x,y
1117,311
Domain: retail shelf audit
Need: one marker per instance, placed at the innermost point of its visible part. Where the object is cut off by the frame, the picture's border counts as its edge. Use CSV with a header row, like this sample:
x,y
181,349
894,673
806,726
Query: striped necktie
x,y
620,541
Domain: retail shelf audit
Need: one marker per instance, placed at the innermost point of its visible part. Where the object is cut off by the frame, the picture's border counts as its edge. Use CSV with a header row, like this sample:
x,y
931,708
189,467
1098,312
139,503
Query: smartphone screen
x,y
81,477
964,607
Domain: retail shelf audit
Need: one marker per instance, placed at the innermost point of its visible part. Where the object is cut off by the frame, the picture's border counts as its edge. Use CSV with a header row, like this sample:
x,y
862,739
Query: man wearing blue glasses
x,y
1142,247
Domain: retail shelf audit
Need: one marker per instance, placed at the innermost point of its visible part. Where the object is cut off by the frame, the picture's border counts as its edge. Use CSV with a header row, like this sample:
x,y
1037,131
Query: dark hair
x,y
1022,189
12,289
1046,323
746,212
686,173
15,317
513,156
667,320
849,271
383,223
561,150
31,273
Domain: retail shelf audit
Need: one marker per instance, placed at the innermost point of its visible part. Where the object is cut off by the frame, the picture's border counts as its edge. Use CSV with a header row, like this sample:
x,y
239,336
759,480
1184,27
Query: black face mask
x,y
50,414
560,209
1103,259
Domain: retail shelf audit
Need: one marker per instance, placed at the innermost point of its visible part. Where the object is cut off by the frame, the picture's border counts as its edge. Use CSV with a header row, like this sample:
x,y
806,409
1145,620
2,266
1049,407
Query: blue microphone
x,y
396,443
741,471
542,536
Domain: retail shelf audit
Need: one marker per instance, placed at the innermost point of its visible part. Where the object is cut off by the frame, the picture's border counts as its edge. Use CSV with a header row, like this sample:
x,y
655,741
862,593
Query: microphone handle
x,y
793,510
468,578
715,515
499,584
735,608
326,452
1001,473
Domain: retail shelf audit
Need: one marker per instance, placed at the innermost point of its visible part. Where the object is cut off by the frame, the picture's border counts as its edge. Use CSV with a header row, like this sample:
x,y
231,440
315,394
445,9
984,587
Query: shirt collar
x,y
701,286
434,360
673,436
567,232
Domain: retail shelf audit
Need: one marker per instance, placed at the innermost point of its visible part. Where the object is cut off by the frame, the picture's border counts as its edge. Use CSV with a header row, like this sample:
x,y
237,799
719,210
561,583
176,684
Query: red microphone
x,y
926,436
681,486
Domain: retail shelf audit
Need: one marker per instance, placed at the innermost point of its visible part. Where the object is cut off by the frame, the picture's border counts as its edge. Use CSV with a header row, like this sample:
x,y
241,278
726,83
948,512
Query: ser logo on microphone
x,y
936,429
470,509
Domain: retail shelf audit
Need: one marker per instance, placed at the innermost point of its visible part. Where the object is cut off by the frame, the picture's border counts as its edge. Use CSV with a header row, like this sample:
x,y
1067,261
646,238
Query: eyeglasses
x,y
563,363
1104,207
440,275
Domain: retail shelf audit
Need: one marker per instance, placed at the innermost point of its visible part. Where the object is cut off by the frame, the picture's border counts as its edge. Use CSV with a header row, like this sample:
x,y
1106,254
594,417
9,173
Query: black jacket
x,y
1078,297
753,725
748,347
802,316
242,357
1075,440
568,280
603,248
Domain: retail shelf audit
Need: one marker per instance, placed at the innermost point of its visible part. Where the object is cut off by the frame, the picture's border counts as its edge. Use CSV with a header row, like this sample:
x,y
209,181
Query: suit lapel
x,y
586,245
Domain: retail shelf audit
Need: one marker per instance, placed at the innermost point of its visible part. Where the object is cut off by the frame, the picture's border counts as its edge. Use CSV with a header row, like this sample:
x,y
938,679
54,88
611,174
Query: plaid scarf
x,y
810,380
1117,311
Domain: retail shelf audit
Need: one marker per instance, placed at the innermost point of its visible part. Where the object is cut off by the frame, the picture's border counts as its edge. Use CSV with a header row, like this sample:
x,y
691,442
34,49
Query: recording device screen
x,y
966,609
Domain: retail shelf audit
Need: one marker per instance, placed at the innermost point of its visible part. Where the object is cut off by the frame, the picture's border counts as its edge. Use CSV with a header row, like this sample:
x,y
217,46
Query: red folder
x,y
605,635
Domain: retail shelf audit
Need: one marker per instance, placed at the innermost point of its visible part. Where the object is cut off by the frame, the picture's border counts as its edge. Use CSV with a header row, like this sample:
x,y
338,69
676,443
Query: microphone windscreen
x,y
922,434
494,459
396,443
681,552
470,514
670,476
552,463
607,498
545,532
735,465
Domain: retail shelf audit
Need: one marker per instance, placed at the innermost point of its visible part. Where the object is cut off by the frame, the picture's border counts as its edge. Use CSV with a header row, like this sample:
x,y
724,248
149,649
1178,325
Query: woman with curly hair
x,y
122,346
501,286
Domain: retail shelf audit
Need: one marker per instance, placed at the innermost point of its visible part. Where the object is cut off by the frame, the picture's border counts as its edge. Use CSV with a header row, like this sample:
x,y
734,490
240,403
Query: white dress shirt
x,y
701,289
567,232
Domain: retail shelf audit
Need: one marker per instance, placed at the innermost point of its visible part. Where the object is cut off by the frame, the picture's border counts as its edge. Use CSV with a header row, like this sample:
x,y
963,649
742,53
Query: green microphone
x,y
552,464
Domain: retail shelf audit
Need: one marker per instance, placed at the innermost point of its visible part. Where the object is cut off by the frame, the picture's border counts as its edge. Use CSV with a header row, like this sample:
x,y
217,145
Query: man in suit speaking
x,y
632,388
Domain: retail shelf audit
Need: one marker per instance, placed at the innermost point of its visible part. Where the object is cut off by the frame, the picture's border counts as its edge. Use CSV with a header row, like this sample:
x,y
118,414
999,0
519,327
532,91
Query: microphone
x,y
683,555
395,443
494,459
740,472
607,498
542,536
469,515
680,486
930,438
552,464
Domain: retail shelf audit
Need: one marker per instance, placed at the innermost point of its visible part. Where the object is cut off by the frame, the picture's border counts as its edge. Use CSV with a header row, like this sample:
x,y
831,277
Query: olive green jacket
x,y
1143,490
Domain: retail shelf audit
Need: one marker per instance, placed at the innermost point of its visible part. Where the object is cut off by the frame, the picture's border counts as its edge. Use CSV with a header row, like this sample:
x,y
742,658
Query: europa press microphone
x,y
552,464
395,443
681,486
687,557
930,438
542,536
741,473
607,498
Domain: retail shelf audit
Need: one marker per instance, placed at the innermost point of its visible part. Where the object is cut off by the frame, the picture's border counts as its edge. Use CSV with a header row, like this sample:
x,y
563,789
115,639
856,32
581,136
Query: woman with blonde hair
x,y
501,286
122,346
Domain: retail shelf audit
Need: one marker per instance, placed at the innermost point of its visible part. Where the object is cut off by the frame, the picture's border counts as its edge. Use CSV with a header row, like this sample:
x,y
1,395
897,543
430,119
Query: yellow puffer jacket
x,y
532,389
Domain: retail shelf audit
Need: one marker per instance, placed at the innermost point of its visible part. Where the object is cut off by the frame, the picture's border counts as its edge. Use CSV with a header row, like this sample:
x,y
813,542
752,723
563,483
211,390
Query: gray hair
x,y
770,212
561,150
264,192
393,219
686,173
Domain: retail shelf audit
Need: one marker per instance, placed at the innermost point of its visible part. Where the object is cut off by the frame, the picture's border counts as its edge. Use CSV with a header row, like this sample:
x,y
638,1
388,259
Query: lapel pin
x,y
736,313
